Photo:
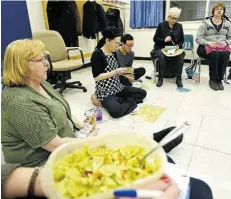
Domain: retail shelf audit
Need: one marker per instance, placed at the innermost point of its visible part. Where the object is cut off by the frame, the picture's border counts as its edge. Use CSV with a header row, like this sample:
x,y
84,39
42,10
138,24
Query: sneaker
x,y
213,85
220,85
179,82
160,82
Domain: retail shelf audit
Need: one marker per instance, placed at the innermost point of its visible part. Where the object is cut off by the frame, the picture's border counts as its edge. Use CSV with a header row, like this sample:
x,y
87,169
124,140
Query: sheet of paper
x,y
181,179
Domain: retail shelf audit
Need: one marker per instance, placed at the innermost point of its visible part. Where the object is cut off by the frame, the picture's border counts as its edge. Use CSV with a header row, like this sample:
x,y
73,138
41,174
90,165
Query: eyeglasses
x,y
129,45
173,18
42,60
116,42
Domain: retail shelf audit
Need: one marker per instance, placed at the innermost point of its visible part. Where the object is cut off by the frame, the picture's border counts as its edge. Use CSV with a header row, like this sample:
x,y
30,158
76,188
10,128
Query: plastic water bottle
x,y
196,77
98,114
184,74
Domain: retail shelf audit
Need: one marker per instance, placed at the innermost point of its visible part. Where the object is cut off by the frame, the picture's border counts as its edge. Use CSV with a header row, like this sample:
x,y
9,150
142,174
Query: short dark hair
x,y
126,37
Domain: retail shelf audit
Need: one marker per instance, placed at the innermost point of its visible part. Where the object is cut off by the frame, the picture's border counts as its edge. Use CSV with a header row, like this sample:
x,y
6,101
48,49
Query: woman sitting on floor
x,y
36,119
116,98
214,38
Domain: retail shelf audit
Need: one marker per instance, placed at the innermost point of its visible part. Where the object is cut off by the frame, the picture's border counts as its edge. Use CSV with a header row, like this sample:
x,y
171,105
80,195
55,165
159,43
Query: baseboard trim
x,y
203,62
86,55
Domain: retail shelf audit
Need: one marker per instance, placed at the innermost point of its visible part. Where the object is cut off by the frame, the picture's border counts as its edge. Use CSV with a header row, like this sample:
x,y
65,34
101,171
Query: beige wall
x,y
143,37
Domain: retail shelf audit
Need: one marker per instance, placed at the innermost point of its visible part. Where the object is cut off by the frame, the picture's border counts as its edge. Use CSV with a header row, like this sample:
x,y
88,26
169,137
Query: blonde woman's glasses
x,y
42,60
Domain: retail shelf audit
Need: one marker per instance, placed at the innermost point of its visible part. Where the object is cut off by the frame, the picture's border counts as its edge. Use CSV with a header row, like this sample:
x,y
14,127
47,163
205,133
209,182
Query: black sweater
x,y
163,30
99,62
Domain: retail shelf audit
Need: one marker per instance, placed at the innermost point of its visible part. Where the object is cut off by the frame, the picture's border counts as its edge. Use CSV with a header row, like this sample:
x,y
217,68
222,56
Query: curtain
x,y
146,14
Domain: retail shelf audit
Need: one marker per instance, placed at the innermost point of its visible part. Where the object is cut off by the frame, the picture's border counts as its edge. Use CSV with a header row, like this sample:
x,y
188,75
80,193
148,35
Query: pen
x,y
137,193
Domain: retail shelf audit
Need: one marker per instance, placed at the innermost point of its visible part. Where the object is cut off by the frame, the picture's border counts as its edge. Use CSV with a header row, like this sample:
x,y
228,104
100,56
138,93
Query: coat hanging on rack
x,y
113,19
77,18
94,19
64,18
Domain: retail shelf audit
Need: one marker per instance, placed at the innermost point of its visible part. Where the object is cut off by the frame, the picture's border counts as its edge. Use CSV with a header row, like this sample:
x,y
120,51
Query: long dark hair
x,y
110,32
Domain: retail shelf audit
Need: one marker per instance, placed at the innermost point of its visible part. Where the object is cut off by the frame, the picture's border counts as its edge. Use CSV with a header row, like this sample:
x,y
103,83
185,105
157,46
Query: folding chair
x,y
199,66
155,64
189,45
155,61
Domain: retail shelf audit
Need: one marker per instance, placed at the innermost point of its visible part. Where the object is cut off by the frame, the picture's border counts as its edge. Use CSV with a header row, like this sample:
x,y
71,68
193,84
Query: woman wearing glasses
x,y
35,118
116,98
169,33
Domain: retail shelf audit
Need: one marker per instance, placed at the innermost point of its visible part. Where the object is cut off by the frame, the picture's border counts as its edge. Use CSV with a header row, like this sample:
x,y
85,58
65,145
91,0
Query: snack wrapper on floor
x,y
89,124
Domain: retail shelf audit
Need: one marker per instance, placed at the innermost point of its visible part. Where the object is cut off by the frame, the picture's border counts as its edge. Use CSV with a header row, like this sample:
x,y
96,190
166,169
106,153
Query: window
x,y
191,10
227,5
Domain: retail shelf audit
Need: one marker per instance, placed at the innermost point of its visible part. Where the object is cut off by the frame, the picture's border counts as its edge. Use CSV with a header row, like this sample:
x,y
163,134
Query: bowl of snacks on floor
x,y
93,168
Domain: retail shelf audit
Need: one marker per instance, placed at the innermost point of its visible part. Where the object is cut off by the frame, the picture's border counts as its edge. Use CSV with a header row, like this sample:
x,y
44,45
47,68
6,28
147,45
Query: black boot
x,y
179,82
213,85
171,145
220,85
160,82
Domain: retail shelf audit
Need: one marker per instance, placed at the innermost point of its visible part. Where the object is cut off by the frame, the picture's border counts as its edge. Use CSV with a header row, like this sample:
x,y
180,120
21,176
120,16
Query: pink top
x,y
217,47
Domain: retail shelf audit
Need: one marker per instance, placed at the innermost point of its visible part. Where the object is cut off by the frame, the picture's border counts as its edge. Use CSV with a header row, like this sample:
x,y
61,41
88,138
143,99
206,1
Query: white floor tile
x,y
182,154
215,133
179,117
214,168
111,127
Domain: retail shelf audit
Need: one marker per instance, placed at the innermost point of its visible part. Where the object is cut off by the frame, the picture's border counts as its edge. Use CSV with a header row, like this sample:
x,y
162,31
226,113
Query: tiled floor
x,y
206,150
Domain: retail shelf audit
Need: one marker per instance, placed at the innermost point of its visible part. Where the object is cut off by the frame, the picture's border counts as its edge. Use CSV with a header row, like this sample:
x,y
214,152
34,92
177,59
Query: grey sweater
x,y
207,33
125,60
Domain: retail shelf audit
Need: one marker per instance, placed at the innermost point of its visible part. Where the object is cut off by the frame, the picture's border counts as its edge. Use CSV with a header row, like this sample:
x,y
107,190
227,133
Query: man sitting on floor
x,y
126,57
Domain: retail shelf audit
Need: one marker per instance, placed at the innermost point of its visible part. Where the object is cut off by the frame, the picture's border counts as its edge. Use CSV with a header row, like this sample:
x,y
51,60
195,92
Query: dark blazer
x,y
94,19
62,18
163,30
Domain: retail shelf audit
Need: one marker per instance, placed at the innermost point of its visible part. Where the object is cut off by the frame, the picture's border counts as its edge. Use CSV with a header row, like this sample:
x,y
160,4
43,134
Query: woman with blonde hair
x,y
169,33
214,38
35,118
